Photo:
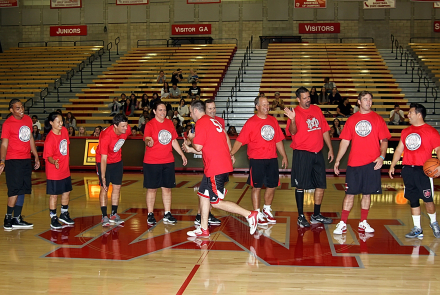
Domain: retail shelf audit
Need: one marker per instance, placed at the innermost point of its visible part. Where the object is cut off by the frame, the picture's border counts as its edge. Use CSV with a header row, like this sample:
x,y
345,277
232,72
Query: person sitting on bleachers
x,y
123,101
165,89
183,108
36,132
313,96
165,93
175,92
70,120
97,131
337,127
277,103
161,78
115,107
323,98
178,116
328,85
144,103
155,99
35,122
71,131
178,127
334,97
176,77
194,89
82,131
344,108
397,117
133,103
193,77
134,131
143,119
356,108
127,108
232,131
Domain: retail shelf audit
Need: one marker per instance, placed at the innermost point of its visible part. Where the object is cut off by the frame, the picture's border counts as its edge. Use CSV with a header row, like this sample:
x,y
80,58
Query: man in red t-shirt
x,y
417,143
210,138
264,137
308,127
15,159
109,165
369,135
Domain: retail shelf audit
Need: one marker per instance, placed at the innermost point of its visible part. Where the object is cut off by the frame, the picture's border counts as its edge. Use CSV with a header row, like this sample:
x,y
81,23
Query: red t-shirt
x,y
311,125
57,147
364,131
261,136
19,133
418,144
110,144
163,135
220,120
216,155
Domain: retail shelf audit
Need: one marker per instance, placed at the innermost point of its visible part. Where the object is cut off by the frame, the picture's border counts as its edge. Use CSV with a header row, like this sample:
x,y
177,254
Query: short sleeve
x,y
346,131
384,132
325,127
200,136
435,138
49,147
148,132
244,136
173,131
6,131
287,127
104,143
279,136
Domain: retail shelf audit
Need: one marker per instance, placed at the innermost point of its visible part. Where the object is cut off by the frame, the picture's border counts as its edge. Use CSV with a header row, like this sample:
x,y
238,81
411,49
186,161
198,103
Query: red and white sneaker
x,y
269,215
262,221
253,221
341,228
199,233
365,227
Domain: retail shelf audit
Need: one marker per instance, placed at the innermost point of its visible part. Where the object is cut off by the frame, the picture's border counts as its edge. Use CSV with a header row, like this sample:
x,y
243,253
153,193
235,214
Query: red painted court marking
x,y
203,256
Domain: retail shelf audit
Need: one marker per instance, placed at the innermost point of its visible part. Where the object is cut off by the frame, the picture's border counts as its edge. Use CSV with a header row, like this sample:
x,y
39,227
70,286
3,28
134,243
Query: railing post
x,y
392,42
412,65
396,43
401,54
419,73
426,80
117,40
91,60
435,96
109,47
406,62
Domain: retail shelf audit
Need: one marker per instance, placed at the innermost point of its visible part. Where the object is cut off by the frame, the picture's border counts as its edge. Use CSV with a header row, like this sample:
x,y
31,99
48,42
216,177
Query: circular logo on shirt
x,y
118,145
164,137
267,132
363,128
413,141
24,134
63,147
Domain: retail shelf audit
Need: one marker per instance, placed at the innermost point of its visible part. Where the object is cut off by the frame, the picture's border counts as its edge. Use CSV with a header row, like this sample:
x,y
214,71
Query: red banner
x,y
191,29
310,3
437,26
68,31
55,4
8,3
319,28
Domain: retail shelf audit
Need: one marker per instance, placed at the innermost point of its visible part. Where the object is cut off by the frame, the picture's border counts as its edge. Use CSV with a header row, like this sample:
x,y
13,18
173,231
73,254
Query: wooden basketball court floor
x,y
279,259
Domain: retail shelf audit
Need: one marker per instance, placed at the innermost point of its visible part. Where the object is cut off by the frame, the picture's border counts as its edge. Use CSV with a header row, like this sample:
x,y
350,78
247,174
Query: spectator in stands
x,y
97,131
59,111
71,131
194,89
133,103
154,100
177,126
331,133
313,96
344,109
115,107
127,108
175,92
82,131
323,98
397,117
183,109
161,78
123,102
232,131
193,77
277,103
143,119
70,120
134,131
165,89
35,122
197,97
176,77
356,108
334,97
178,117
36,132
144,103
337,128
328,85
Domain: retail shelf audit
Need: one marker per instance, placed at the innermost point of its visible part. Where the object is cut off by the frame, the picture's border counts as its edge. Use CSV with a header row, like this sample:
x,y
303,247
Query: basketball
x,y
430,165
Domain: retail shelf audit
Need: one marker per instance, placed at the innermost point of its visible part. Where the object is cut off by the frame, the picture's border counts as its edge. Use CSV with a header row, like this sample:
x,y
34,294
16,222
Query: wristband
x,y
382,157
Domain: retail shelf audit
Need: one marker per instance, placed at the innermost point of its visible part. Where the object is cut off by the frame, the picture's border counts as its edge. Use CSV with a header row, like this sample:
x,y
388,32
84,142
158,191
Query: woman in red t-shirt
x,y
56,154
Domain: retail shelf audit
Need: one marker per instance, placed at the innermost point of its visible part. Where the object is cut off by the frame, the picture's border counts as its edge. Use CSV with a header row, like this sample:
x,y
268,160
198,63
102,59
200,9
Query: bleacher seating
x,y
428,55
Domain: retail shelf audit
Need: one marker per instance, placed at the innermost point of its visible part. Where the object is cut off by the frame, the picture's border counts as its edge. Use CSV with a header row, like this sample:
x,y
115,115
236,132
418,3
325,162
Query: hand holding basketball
x,y
432,167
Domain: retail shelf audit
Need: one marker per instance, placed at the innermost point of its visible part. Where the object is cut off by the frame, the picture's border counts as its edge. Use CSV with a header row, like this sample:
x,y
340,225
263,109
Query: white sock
x,y
258,210
433,217
267,207
416,221
166,212
64,210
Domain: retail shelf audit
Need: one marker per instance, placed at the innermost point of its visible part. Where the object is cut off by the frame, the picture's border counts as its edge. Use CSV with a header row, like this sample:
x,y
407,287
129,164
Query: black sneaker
x,y
151,219
18,222
7,225
65,217
198,220
54,223
320,219
168,218
302,221
212,220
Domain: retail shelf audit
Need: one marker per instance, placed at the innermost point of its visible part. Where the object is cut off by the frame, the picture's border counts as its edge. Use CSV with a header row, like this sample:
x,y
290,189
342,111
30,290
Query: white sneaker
x,y
365,227
341,228
262,219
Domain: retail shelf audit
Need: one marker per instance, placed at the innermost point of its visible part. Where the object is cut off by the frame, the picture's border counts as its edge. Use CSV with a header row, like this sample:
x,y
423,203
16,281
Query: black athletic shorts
x,y
18,176
363,180
263,171
308,170
113,173
159,175
213,187
58,187
417,184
